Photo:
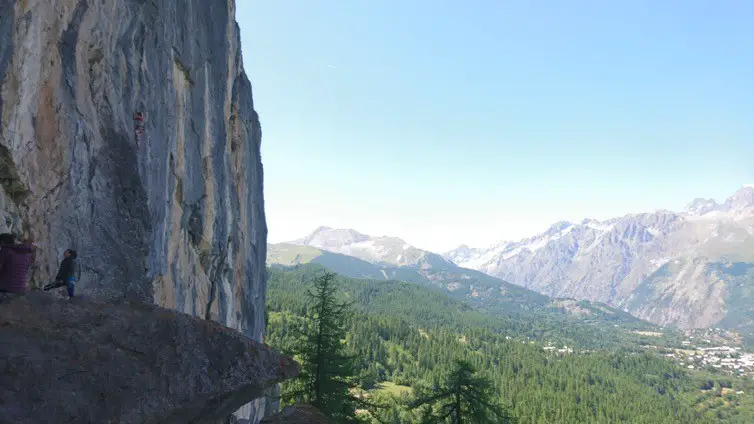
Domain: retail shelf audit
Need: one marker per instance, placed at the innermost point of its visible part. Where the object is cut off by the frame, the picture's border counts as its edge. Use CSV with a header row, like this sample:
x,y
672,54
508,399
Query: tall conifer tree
x,y
327,373
465,399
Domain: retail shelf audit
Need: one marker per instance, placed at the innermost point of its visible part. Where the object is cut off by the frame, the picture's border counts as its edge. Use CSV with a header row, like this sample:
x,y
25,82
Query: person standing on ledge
x,y
69,272
15,260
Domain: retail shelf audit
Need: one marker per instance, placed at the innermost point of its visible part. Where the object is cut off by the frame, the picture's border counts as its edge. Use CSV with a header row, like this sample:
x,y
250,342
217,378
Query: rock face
x,y
92,362
299,414
693,268
177,219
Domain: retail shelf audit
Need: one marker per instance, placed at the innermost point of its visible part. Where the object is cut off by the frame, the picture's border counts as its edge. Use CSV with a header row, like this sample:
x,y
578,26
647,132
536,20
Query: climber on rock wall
x,y
15,261
138,126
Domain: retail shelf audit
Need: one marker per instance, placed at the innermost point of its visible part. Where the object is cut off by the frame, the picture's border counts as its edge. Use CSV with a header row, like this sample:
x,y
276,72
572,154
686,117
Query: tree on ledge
x,y
466,398
327,373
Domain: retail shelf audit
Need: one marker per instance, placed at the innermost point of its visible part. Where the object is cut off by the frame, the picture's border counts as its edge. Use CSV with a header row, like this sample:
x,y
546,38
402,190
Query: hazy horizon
x,y
445,123
528,235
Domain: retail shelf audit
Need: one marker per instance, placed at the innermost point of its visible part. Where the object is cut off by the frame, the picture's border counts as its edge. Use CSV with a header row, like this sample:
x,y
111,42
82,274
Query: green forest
x,y
406,342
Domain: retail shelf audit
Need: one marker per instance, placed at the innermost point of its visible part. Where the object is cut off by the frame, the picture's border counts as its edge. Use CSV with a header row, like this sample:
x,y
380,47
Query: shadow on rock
x,y
84,361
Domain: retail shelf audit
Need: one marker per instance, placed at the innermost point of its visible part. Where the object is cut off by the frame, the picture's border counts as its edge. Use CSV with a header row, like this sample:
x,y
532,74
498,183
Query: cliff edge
x,y
93,362
176,219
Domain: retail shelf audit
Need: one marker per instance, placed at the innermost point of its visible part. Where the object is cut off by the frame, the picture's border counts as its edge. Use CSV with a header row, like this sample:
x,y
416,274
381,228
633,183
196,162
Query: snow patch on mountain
x,y
738,207
388,250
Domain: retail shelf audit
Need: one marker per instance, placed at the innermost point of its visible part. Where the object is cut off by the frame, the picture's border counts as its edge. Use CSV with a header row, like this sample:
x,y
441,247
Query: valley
x,y
484,293
655,306
545,368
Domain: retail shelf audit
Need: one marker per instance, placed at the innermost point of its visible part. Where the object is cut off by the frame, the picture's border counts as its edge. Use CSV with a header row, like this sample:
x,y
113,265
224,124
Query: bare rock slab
x,y
86,361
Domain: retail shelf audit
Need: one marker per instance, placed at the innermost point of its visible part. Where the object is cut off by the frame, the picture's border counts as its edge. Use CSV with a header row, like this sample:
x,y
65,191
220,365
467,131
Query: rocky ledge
x,y
86,361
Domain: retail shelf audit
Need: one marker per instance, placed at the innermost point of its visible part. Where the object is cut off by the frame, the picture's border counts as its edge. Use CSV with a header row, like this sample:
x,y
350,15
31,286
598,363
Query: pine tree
x,y
466,398
327,373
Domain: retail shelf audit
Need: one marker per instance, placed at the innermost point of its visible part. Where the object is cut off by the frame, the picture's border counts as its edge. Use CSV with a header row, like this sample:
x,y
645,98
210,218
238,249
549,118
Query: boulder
x,y
107,362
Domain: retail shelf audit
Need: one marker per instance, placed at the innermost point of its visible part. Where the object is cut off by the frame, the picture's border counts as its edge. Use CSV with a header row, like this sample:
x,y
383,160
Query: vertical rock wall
x,y
177,220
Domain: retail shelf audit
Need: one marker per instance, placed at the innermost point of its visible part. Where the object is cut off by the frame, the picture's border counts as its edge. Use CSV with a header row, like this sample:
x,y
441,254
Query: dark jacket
x,y
69,267
15,260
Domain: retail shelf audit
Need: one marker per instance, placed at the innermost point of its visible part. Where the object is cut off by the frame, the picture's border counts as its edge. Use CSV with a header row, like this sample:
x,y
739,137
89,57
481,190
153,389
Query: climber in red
x,y
138,126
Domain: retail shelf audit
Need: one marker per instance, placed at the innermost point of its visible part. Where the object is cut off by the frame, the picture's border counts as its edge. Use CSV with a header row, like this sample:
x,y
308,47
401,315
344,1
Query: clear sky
x,y
449,122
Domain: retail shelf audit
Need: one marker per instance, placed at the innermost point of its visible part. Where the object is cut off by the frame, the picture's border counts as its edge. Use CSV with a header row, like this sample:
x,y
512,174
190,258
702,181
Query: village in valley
x,y
712,349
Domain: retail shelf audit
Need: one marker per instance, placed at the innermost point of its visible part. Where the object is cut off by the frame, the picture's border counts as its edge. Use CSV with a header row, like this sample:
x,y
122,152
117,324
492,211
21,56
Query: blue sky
x,y
449,122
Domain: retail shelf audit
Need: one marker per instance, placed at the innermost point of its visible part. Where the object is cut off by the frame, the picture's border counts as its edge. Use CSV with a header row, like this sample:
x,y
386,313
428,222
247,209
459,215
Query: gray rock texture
x,y
84,361
177,220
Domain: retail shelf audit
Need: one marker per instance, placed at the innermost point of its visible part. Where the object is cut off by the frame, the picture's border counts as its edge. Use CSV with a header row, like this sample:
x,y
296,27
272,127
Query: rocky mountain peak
x,y
558,227
462,250
742,199
385,249
636,262
701,206
324,237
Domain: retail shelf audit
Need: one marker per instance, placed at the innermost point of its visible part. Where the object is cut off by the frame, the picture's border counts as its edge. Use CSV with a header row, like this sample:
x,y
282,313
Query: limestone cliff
x,y
177,219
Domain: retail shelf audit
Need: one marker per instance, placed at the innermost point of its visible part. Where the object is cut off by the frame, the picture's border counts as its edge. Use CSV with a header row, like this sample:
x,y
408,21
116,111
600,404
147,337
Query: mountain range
x,y
390,258
692,269
364,259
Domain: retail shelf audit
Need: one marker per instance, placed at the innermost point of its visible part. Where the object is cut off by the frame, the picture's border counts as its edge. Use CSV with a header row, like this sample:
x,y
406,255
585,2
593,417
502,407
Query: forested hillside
x,y
405,337
576,322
